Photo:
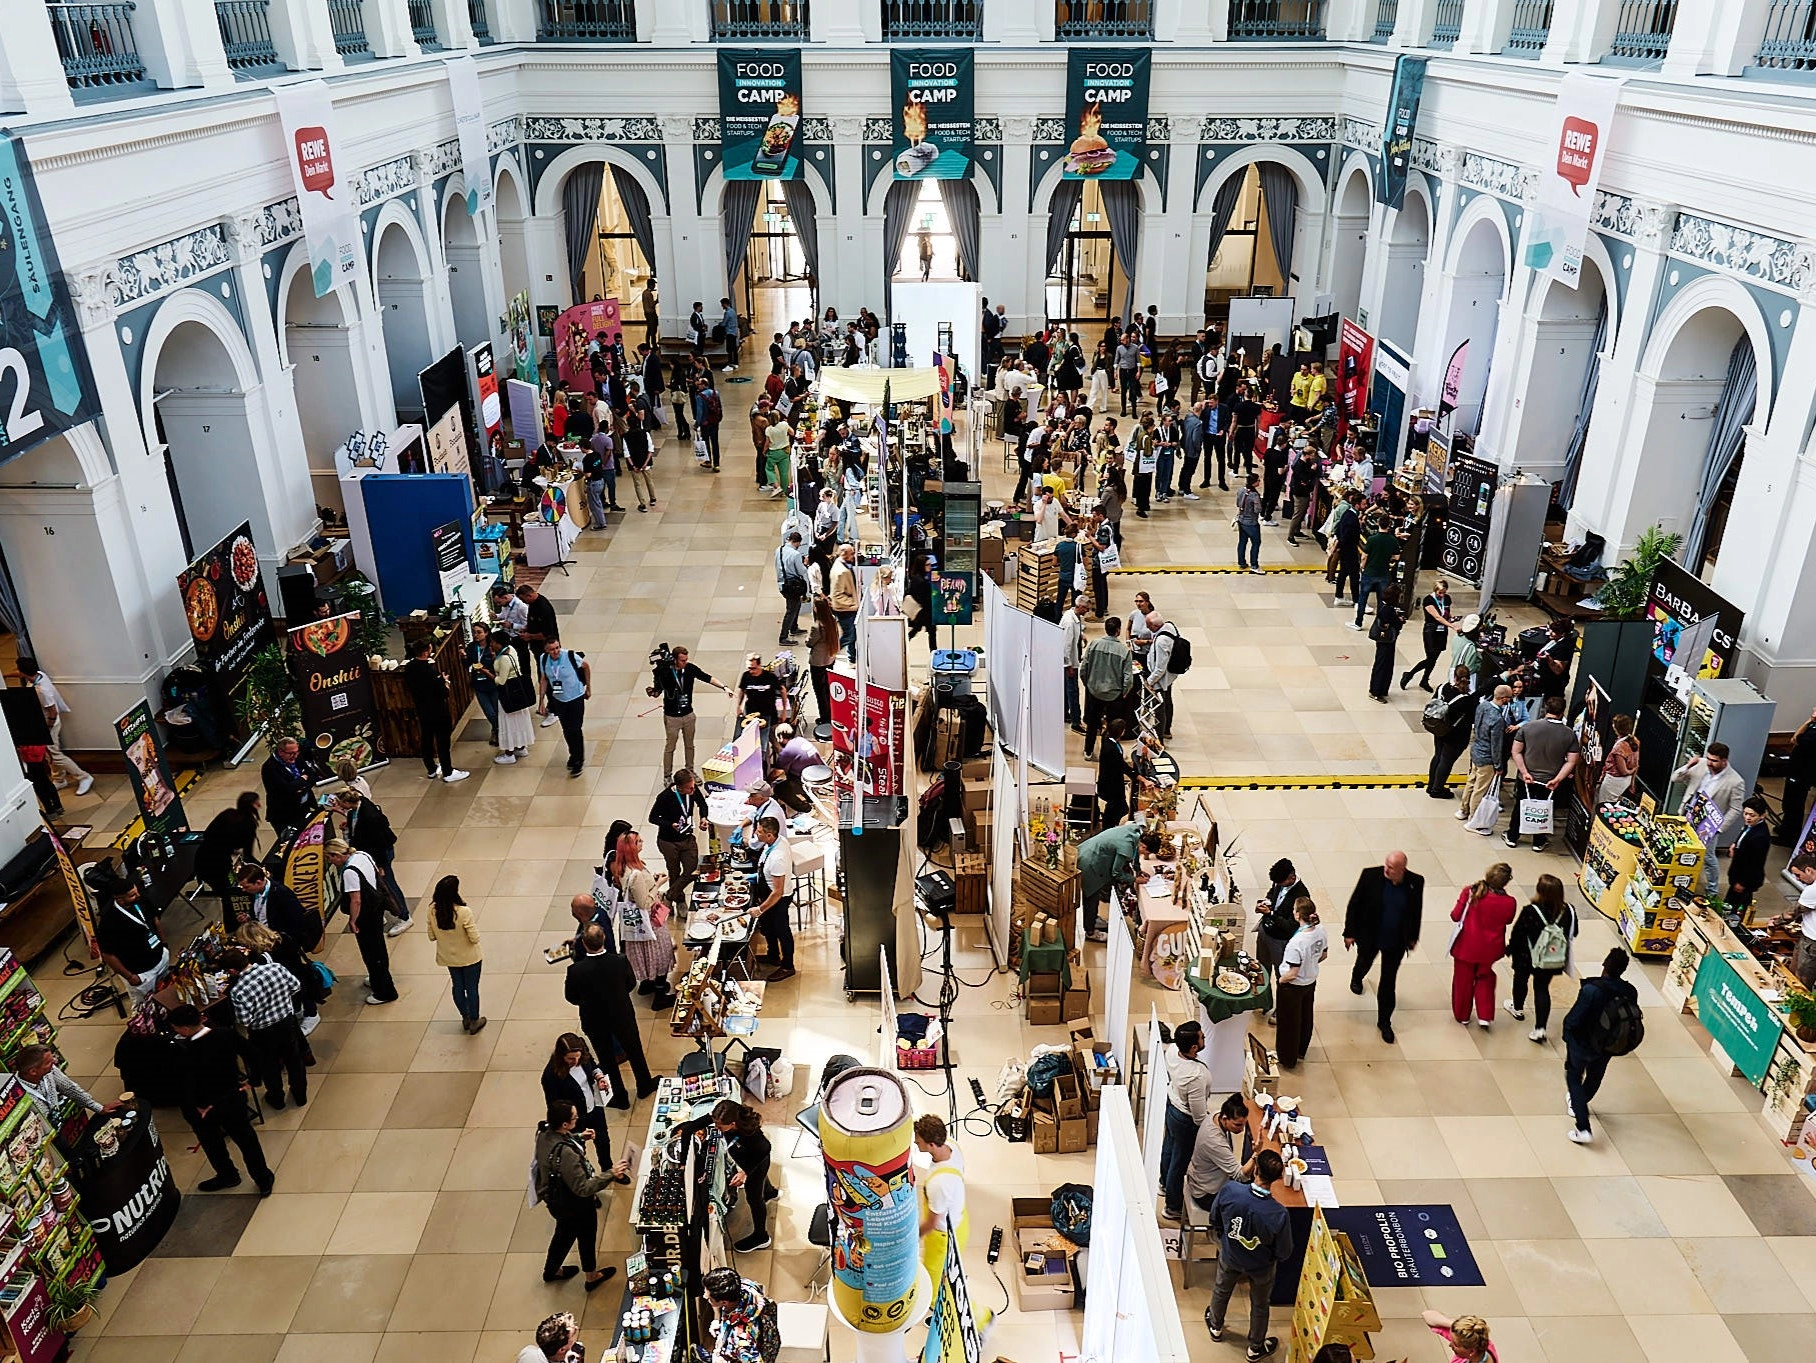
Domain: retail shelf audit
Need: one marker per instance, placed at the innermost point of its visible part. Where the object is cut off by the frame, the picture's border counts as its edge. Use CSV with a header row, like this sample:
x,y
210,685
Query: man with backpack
x,y
1169,656
708,413
1605,1021
1254,1237
1447,718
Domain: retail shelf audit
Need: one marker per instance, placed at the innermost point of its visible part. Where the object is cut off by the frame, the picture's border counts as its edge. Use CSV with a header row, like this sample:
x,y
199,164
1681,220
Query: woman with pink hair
x,y
643,918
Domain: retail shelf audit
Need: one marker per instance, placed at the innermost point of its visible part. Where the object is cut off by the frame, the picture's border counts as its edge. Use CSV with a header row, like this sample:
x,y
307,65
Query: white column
x,y
302,35
851,275
1716,40
31,72
1777,644
442,334
670,24
388,29
1019,22
453,25
1186,21
1582,30
514,21
1414,23
1025,233
1376,253
842,22
1486,24
180,41
1346,21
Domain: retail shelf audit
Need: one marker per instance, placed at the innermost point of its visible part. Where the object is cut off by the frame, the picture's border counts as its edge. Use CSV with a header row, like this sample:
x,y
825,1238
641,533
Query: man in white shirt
x,y
1803,960
1188,1082
1711,778
1073,630
1049,516
1164,634
55,707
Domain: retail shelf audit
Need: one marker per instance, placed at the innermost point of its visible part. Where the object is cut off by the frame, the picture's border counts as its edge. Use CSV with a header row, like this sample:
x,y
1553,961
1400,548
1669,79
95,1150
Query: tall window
x,y
1244,265
930,250
1087,275
617,268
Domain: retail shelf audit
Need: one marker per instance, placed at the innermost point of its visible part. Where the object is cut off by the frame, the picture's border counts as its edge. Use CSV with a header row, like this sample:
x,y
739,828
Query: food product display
x,y
41,1211
1642,870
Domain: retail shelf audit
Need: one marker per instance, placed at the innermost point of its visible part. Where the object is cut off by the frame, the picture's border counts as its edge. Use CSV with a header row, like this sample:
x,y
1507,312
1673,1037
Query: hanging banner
x,y
470,124
518,320
326,193
485,379
575,330
448,543
1453,379
334,690
1677,601
1355,365
935,105
152,787
874,754
942,365
1396,130
45,384
952,1335
760,113
1558,224
1106,113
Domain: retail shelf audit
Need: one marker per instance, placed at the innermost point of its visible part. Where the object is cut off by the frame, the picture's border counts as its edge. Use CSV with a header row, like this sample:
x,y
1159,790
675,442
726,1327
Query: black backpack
x,y
1179,659
1618,1026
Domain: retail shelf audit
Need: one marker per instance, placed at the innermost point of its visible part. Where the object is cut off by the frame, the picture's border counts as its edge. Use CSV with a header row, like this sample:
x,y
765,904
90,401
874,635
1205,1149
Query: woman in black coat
x,y
1386,633
559,1083
742,1129
229,832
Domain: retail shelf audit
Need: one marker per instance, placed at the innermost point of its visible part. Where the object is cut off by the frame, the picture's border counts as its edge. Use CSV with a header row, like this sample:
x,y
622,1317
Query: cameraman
x,y
672,677
557,1341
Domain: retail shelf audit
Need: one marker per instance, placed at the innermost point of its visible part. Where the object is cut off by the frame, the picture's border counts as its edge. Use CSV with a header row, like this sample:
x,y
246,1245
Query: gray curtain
x,y
1122,206
806,225
960,198
1223,208
1280,192
12,610
1579,433
636,212
898,213
1066,196
580,214
737,215
1726,439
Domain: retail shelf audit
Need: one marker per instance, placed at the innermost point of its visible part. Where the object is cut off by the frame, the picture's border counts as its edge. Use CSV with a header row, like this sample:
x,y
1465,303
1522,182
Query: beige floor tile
x,y
405,1161
1798,1255
1612,1207
447,1291
1570,1339
326,1161
438,1347
473,1223
1556,1277
91,1347
433,1100
1696,1207
166,1297
1521,1209
381,1223
351,1293
253,1295
238,1348
1736,1143
1685,1339
1649,1277
349,1101
1405,1147
336,1348
1488,1147
1766,1337
1741,1276
292,1223
1656,1143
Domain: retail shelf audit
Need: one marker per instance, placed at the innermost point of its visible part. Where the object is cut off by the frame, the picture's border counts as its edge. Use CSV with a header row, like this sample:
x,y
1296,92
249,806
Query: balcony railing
x,y
1531,28
100,55
1277,20
958,20
1448,25
422,25
481,22
1642,33
1387,17
736,20
1093,20
347,21
592,21
246,36
1789,43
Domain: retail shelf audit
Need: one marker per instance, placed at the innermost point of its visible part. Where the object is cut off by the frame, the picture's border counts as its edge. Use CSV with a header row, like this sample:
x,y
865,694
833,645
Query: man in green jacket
x,y
1108,675
1112,857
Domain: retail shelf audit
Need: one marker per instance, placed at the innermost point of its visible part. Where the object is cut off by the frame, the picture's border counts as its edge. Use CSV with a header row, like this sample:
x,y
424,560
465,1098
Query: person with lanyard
x,y
741,1128
1713,796
760,693
207,1062
367,829
679,811
1437,622
770,897
1112,858
276,906
1300,963
567,685
131,941
1214,1159
289,789
1187,1103
1255,1237
263,996
574,1076
365,903
674,681
49,1088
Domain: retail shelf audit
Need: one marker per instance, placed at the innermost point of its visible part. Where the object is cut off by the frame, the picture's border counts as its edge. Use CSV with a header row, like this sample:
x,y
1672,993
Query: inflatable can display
x,y
867,1137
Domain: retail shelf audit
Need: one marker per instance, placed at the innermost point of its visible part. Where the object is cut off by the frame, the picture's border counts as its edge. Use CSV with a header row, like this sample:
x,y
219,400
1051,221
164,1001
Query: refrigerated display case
x,y
1725,710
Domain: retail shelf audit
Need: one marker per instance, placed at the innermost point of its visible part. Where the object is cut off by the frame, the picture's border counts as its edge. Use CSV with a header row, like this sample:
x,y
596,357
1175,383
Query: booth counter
x,y
1642,870
398,730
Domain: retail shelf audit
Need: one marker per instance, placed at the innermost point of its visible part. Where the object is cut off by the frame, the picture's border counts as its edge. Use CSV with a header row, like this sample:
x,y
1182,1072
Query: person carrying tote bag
x,y
516,705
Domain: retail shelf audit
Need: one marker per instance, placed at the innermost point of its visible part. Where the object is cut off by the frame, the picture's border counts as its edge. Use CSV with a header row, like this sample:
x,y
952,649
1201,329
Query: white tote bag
x,y
1535,815
1486,814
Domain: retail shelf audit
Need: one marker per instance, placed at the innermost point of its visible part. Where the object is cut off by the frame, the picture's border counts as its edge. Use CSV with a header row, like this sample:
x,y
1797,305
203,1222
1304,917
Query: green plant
x,y
1779,1078
69,1300
266,699
372,631
1623,595
1800,1007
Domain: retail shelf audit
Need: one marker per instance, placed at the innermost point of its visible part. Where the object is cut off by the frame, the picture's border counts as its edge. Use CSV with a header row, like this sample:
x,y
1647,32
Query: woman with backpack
x,y
1542,950
1482,914
567,1182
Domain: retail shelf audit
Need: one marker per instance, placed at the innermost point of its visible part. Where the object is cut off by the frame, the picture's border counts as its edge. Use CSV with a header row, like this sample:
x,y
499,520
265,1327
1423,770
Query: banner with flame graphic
x,y
1106,113
935,110
760,113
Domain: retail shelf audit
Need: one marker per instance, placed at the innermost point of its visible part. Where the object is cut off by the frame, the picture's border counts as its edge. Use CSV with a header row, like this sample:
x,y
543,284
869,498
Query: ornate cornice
x,y
280,222
706,129
387,180
878,130
1638,220
1355,133
816,128
507,133
538,129
168,265
1017,128
1267,130
677,128
1494,176
847,129
1049,130
444,159
93,293
1740,250
1160,128
988,128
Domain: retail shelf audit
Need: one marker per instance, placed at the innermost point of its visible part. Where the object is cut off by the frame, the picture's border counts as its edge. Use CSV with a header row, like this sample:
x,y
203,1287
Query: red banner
x,y
877,754
575,330
1355,370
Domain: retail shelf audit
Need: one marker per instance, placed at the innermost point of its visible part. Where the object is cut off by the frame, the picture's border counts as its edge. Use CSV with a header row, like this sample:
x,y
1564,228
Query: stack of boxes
x,y
1059,1123
1045,1256
1095,1067
1036,575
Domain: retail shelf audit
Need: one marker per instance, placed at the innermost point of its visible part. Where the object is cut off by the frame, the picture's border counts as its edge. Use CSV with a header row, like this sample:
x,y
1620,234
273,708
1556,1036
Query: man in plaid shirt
x,y
264,1003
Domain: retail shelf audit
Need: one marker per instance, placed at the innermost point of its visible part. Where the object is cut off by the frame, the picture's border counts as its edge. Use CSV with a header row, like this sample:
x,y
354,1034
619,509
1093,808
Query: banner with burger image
x,y
334,690
934,112
760,113
1106,113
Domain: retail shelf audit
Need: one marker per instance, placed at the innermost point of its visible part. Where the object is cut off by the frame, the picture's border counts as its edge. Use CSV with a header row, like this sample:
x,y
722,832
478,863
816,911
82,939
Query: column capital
x,y
93,292
1017,128
677,128
244,235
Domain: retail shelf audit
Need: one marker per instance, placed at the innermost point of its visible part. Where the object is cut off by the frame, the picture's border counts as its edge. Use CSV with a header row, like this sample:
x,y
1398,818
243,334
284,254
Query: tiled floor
x,y
398,1231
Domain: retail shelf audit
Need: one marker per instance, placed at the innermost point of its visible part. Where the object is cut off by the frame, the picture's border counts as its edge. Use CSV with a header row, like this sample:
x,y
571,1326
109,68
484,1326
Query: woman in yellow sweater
x,y
456,939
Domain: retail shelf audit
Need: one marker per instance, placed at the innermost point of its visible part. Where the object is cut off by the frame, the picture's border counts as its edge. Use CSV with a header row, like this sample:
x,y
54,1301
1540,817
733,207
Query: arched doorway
x,y
1478,281
930,250
197,420
1349,242
1403,283
1243,261
1572,327
618,266
399,281
1087,281
466,271
773,282
508,206
318,345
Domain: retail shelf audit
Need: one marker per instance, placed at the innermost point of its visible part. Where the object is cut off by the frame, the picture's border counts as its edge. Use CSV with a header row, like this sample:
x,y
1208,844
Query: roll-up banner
x,y
334,690
760,113
46,387
470,124
324,189
152,786
1396,130
1559,222
1106,113
229,614
935,108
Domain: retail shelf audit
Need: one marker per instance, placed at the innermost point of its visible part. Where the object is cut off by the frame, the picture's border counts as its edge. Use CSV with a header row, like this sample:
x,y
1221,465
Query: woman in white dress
x,y
516,728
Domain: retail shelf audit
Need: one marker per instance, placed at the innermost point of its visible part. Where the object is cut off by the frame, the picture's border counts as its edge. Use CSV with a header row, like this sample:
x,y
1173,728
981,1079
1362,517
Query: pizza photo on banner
x,y
152,785
229,615
334,690
1396,132
933,90
760,113
1106,113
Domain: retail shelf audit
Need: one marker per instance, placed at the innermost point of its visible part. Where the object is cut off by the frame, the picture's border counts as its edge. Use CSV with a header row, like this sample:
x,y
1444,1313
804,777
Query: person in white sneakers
x,y
55,707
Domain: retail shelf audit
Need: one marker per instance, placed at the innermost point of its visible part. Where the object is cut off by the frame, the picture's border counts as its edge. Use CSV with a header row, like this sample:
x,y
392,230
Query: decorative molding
x,y
878,130
1355,133
1424,155
280,222
536,129
1016,128
244,235
93,292
1160,128
1502,178
1740,250
1049,130
444,159
816,129
507,133
677,128
1636,219
847,129
1266,130
988,129
168,265
706,130
387,180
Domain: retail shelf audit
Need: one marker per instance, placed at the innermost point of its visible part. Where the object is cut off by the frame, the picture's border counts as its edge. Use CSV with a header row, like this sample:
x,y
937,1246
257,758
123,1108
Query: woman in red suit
x,y
1483,914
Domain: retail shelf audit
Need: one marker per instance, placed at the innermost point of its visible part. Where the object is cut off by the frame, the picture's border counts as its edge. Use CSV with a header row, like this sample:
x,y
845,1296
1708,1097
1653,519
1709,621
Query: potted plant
x,y
1800,1008
267,700
72,1304
1623,595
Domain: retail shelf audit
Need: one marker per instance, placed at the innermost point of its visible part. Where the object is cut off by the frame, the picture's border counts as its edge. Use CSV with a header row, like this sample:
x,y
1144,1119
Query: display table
x,y
1224,1017
398,732
672,1107
1642,871
128,1196
1044,958
546,543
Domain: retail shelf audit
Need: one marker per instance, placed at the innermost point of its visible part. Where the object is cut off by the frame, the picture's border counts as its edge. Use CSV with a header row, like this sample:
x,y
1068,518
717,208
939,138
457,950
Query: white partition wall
x,y
1154,1102
1119,972
1008,821
1131,1314
924,307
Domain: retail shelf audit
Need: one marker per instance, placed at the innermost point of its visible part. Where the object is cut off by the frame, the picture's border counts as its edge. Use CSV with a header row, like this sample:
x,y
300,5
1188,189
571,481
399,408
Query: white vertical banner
x,y
325,191
470,124
1154,1101
1572,168
1119,972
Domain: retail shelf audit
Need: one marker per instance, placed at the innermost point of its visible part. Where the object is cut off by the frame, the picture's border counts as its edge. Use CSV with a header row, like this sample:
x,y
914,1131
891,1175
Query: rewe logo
x,y
1576,149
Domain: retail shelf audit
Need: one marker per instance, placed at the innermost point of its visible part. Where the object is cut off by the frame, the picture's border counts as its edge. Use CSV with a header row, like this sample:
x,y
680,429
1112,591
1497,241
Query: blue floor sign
x,y
1416,1246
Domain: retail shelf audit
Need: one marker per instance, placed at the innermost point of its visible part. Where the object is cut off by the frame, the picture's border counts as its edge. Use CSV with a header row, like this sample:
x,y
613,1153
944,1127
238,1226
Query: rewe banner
x,y
1559,222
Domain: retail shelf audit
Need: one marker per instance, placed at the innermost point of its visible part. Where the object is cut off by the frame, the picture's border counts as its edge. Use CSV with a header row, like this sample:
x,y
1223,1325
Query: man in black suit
x,y
289,792
601,985
214,1103
277,907
1383,919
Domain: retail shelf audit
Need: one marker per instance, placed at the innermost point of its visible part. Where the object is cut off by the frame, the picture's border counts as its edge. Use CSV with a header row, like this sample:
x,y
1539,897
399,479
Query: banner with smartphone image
x,y
760,113
1106,113
935,107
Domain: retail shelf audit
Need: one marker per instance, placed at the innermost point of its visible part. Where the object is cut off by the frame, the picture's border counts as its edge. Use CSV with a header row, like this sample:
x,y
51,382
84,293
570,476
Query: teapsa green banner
x,y
935,107
760,113
1106,113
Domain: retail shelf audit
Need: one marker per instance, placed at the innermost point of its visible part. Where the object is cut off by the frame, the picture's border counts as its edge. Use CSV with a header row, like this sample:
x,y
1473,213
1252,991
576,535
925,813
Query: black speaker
x,y
296,590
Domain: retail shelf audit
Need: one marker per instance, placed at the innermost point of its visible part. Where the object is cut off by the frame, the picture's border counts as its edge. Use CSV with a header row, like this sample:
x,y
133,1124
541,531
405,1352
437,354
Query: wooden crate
x,y
1053,892
971,873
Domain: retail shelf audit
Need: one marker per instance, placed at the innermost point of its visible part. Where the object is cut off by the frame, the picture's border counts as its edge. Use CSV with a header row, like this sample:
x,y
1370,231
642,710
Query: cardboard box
x,y
1068,1097
977,793
1045,1010
1094,1063
1044,983
1074,1135
971,876
1043,1130
1091,1120
1048,1287
1077,1001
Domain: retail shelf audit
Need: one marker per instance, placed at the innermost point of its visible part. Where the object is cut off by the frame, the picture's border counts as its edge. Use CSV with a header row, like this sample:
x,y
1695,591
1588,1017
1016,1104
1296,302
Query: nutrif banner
x,y
760,113
935,109
1106,113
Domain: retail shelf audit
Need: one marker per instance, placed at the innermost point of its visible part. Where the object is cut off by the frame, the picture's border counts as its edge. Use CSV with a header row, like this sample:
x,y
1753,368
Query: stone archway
x,y
1349,239
466,268
400,281
317,340
1478,285
1403,279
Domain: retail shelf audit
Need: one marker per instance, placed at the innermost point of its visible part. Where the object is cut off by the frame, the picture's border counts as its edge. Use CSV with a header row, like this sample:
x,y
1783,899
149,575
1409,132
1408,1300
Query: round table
x,y
1226,1027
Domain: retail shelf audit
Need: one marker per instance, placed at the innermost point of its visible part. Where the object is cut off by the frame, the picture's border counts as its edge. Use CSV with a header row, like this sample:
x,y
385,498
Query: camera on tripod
x,y
660,656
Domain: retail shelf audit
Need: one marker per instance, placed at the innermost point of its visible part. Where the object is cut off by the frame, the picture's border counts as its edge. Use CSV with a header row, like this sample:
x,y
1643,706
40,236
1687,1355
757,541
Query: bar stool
x,y
808,883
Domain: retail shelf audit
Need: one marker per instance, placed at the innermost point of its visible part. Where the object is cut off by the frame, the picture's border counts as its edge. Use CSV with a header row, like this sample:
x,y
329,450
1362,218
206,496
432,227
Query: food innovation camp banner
x,y
935,108
1106,113
760,113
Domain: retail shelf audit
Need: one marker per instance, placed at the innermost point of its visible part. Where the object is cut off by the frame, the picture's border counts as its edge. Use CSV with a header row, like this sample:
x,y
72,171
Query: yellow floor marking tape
x,y
1174,570
1384,782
